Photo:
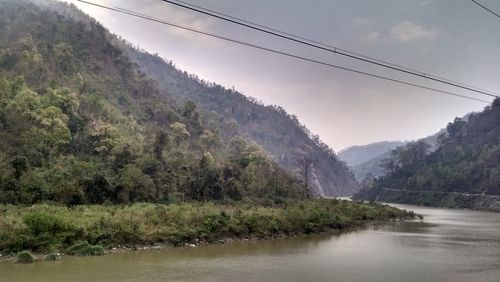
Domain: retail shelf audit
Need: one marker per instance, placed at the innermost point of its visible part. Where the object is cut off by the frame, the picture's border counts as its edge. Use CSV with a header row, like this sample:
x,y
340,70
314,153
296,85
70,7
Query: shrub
x,y
49,232
24,257
40,223
85,249
52,257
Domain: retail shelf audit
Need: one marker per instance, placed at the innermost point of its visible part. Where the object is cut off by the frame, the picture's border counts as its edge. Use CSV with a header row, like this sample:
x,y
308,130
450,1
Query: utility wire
x,y
328,46
486,8
325,47
146,17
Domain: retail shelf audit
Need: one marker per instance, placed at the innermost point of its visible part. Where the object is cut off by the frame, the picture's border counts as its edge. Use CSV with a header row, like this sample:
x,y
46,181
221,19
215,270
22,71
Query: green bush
x,y
48,232
40,223
25,257
85,249
52,257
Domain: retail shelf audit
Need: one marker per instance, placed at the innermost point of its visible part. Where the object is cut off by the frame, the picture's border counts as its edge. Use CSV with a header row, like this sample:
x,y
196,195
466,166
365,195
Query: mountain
x,y
462,171
356,155
81,123
280,134
365,160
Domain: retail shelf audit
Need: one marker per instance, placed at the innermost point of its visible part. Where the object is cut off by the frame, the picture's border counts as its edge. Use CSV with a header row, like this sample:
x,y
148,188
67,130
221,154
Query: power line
x,y
486,8
324,47
146,17
329,46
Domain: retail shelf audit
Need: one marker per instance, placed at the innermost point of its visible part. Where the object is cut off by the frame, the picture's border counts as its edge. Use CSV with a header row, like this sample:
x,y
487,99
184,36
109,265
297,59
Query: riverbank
x,y
44,229
439,199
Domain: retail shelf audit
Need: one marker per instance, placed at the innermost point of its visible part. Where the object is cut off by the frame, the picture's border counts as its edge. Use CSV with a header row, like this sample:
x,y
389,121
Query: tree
x,y
106,138
97,189
207,184
210,140
179,132
192,117
305,171
53,131
159,145
124,157
134,186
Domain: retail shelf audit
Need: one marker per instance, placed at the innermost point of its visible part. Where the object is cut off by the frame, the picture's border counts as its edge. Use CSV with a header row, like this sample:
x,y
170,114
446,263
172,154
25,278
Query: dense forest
x,y
279,133
80,123
462,171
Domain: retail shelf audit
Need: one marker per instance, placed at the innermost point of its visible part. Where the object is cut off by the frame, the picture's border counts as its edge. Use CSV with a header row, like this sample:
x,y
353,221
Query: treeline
x,y
467,161
80,123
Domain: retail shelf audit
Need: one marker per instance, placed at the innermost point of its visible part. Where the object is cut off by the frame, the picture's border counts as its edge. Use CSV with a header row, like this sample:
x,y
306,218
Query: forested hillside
x,y
80,123
463,171
280,134
367,162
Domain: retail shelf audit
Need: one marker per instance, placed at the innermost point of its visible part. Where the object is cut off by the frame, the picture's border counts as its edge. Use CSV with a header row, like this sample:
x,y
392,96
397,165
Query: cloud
x,y
182,18
408,31
426,2
155,9
366,30
372,36
362,23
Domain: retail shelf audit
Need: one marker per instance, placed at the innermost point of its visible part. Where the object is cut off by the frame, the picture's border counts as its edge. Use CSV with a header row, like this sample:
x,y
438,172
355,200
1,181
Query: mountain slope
x,y
280,134
80,123
463,171
356,155
365,160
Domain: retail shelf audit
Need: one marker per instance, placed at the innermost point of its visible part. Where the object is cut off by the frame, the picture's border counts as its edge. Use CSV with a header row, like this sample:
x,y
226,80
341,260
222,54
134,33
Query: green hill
x,y
80,123
365,160
280,134
463,171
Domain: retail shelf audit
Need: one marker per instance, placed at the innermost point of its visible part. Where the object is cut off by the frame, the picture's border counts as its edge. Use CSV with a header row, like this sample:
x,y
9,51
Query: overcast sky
x,y
454,39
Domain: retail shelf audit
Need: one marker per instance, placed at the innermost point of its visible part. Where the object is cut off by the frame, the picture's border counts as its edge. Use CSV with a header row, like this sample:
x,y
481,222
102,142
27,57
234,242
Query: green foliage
x,y
85,249
52,257
40,223
24,257
85,230
462,172
180,132
45,232
81,124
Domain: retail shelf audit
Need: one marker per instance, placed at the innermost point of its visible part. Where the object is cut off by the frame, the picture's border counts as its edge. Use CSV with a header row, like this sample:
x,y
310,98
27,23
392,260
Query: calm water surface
x,y
448,245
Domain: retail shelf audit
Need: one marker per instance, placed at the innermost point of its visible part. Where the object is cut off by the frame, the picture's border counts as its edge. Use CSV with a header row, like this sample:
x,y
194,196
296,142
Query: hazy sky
x,y
454,39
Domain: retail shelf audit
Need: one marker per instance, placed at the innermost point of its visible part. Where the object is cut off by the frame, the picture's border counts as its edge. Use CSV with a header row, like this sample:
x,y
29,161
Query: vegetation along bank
x,y
90,229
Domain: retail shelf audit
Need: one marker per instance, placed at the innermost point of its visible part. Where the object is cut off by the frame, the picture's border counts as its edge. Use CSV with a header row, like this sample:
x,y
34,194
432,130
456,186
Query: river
x,y
447,245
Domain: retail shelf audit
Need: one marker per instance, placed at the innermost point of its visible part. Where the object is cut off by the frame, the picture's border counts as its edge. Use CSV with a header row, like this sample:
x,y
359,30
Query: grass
x,y
87,230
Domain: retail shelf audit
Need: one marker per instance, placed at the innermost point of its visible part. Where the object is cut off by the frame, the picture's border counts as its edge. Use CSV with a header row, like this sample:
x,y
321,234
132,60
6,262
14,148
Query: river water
x,y
448,245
